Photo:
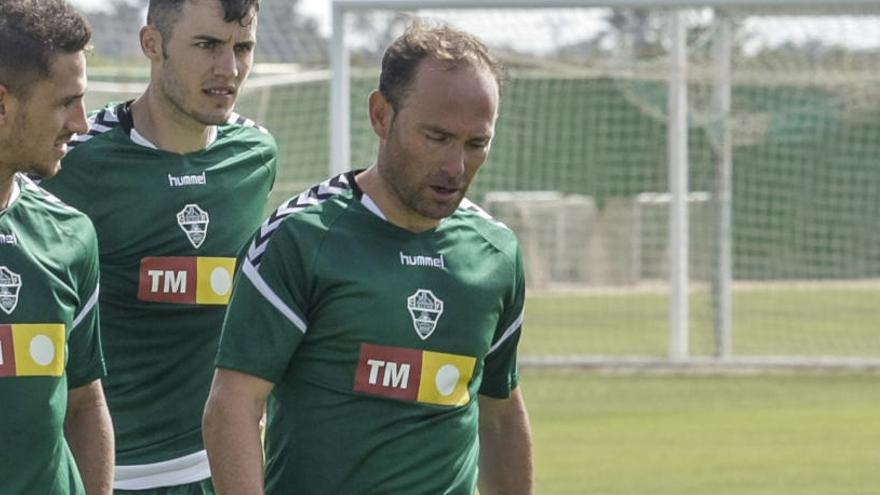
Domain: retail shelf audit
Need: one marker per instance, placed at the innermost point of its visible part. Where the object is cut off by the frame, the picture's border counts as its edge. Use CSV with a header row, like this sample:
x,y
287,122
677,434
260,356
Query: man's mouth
x,y
445,191
220,91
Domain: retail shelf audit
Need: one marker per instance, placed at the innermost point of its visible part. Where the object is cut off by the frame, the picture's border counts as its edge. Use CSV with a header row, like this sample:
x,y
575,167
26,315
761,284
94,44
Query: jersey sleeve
x,y
266,317
272,165
86,359
500,371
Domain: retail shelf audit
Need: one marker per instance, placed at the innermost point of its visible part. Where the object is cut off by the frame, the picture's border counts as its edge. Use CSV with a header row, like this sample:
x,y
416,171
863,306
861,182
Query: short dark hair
x,y
32,32
164,14
421,41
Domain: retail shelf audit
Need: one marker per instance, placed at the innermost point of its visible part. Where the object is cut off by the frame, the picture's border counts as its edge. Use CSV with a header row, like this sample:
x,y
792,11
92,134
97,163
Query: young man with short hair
x,y
379,312
55,429
176,183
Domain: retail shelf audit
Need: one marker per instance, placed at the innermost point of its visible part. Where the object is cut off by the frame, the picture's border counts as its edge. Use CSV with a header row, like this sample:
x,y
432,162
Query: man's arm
x,y
89,433
231,429
505,446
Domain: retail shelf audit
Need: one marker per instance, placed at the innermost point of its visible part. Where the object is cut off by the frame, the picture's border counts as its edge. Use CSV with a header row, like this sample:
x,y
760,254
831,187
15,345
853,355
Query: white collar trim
x,y
372,206
139,138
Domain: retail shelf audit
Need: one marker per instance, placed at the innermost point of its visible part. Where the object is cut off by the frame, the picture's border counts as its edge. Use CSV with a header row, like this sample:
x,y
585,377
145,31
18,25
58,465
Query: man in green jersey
x,y
379,312
176,184
55,429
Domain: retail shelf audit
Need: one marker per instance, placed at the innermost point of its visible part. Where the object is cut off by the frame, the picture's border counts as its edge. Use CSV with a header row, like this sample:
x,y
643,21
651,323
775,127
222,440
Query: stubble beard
x,y
416,197
171,89
31,154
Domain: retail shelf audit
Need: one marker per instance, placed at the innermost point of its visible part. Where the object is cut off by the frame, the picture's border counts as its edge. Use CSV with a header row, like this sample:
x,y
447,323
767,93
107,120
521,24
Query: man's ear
x,y
7,105
381,114
151,43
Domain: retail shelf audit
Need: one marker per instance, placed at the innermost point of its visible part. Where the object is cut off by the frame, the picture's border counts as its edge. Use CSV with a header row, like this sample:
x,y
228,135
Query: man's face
x,y
438,139
48,116
205,62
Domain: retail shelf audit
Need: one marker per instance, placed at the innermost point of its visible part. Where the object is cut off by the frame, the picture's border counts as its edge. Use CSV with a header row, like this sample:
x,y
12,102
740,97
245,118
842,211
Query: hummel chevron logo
x,y
104,121
313,196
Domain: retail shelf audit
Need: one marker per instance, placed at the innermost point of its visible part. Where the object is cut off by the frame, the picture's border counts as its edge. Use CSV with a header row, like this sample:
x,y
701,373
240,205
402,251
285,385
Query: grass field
x,y
715,435
663,434
781,320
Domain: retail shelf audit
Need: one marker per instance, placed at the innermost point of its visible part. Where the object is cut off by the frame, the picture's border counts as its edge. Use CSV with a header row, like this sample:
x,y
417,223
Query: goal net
x,y
782,123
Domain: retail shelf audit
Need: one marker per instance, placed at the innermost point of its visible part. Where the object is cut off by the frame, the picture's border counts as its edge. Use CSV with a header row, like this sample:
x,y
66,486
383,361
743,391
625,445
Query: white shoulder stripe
x,y
512,329
88,307
263,288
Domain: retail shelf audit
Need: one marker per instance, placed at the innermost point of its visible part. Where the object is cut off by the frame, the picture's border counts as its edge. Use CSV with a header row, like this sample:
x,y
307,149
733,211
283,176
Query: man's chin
x,y
215,118
45,171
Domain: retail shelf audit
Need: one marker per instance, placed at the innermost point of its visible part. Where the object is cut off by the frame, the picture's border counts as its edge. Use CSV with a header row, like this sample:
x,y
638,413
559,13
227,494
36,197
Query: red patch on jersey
x,y
169,279
7,351
392,372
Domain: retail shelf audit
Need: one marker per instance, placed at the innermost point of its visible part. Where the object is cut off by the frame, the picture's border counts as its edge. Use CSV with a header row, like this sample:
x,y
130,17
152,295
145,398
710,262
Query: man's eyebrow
x,y
69,98
437,129
214,39
208,37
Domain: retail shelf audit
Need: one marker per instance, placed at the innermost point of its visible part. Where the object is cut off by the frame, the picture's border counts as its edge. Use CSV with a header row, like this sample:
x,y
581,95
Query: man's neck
x,y
373,185
166,127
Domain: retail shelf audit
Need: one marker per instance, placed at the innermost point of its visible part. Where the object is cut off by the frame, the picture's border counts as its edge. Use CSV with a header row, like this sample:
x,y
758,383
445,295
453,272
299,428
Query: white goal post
x,y
677,115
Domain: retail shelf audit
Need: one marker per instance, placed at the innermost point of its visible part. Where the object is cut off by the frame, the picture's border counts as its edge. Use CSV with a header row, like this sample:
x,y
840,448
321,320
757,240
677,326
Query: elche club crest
x,y
194,222
10,284
425,309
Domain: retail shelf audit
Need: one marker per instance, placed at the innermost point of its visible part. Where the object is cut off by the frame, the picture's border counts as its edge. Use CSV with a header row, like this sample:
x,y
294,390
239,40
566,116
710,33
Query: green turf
x,y
659,435
766,321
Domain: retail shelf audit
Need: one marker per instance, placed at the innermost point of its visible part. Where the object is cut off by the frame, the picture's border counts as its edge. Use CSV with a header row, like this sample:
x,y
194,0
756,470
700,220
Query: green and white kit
x,y
378,341
49,340
170,228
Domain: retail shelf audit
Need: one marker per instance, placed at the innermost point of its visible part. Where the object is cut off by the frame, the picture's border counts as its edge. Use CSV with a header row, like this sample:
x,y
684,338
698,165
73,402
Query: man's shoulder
x,y
320,199
487,226
238,121
239,127
45,207
103,125
313,210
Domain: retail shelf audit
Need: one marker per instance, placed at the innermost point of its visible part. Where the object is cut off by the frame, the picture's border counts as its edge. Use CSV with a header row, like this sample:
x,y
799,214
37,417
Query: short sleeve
x,y
266,317
272,164
85,357
500,370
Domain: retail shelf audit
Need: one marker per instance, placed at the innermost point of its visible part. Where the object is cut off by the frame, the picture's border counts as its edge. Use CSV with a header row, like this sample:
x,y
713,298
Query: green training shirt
x,y
170,227
378,341
49,340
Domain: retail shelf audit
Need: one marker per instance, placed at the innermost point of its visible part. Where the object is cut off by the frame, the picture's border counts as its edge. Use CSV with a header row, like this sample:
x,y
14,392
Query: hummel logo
x,y
187,180
407,260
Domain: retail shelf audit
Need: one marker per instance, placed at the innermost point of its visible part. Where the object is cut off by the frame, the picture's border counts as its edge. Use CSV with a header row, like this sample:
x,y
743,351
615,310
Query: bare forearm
x,y
505,448
89,432
231,429
234,451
